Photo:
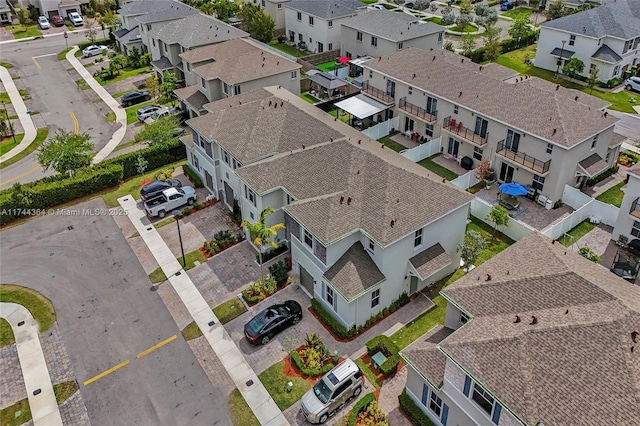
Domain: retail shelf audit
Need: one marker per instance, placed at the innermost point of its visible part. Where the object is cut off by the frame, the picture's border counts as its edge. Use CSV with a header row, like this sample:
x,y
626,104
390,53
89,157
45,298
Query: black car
x,y
272,321
133,98
156,187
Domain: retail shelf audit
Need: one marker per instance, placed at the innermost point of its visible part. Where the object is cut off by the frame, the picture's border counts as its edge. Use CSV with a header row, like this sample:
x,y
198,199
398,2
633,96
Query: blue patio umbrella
x,y
513,188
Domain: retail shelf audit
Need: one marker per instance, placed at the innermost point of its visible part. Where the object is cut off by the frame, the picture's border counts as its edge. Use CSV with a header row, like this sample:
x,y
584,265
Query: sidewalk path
x,y
43,406
243,376
121,115
21,110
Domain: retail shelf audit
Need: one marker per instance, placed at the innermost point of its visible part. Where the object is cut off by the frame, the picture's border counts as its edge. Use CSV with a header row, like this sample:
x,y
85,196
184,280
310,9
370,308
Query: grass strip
x,y
40,307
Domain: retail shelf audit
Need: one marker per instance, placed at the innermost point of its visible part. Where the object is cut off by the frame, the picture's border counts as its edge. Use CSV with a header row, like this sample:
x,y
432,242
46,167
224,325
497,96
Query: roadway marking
x,y
37,64
76,124
28,172
44,56
109,371
153,348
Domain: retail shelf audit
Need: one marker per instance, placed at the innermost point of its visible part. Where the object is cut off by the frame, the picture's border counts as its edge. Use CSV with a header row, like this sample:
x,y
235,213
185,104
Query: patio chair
x,y
509,202
459,125
453,123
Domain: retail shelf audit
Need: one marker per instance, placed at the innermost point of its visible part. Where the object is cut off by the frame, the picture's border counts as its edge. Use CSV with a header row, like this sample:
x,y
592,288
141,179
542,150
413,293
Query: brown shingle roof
x,y
192,96
583,98
430,260
521,106
576,362
197,30
425,356
237,61
617,139
354,273
593,164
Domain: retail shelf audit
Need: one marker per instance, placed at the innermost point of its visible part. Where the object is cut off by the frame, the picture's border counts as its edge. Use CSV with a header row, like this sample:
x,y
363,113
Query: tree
x,y
574,67
111,20
153,86
448,46
160,131
133,58
25,17
556,10
491,44
141,164
498,216
226,9
593,78
168,85
482,9
247,12
261,234
448,19
463,20
472,247
33,13
491,18
119,61
65,152
434,7
465,7
520,29
207,8
467,44
92,30
422,4
262,26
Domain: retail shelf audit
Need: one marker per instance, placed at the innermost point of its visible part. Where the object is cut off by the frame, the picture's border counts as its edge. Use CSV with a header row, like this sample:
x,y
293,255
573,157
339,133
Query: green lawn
x,y
16,414
20,31
327,66
191,259
157,275
126,73
389,6
576,233
390,143
6,333
63,54
40,137
369,1
241,414
4,97
307,97
275,382
429,164
284,47
468,29
434,19
191,331
344,117
8,143
370,375
518,12
226,311
612,195
39,306
7,65
65,390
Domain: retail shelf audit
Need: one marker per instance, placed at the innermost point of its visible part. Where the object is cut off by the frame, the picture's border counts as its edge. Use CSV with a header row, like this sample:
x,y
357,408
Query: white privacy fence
x,y
381,129
574,197
515,230
422,151
466,181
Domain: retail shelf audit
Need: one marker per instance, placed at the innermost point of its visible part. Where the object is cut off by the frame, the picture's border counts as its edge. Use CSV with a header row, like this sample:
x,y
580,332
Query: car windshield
x,y
256,324
322,391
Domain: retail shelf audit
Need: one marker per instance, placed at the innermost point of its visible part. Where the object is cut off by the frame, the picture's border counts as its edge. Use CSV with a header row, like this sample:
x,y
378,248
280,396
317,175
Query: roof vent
x,y
393,222
341,199
444,180
554,131
281,103
434,58
507,272
270,103
480,67
517,320
462,61
278,63
303,146
263,64
553,241
488,278
557,87
634,336
584,29
576,98
359,141
606,113
414,75
460,94
349,201
382,146
566,312
534,320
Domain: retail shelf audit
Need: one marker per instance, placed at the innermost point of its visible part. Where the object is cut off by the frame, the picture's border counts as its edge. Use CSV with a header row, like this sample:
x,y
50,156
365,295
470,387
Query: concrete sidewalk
x,y
43,404
243,376
121,115
21,110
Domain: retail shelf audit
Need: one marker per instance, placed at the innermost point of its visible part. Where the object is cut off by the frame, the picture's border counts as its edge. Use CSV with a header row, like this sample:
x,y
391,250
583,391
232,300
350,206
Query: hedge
x,y
157,155
359,406
340,330
32,198
313,372
411,409
602,176
507,45
193,176
390,365
98,41
250,299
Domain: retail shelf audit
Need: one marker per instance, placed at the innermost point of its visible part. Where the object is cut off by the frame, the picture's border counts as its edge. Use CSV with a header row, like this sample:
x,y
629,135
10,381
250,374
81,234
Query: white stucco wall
x,y
384,47
320,31
625,220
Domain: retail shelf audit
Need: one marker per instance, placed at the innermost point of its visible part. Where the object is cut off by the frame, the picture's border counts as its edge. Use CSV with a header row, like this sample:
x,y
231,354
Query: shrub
x,y
374,345
279,271
193,176
411,409
250,299
295,357
390,365
157,155
359,406
270,285
339,329
602,176
372,415
589,254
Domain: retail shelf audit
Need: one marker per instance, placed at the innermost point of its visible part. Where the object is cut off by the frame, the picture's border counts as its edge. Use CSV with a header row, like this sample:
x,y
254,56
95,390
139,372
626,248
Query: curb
x,y
26,121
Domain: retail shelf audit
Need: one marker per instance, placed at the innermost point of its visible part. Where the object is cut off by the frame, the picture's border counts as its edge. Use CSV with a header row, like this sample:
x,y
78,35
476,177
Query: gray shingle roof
x,y
606,54
464,83
425,356
175,10
392,26
576,95
620,19
430,260
162,64
575,362
327,9
617,139
197,30
354,273
564,53
593,164
139,7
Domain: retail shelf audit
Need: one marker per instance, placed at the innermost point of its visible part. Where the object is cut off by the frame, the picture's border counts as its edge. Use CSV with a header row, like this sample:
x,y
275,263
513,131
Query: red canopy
x,y
344,59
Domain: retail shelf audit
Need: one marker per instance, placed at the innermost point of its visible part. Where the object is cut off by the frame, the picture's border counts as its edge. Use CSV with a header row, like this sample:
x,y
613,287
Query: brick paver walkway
x,y
388,399
597,240
11,382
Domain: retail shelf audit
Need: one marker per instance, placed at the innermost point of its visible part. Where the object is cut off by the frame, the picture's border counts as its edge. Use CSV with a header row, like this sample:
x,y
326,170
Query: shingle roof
x,y
425,356
575,362
430,260
444,74
354,273
392,26
175,10
617,139
620,19
162,64
144,6
576,95
606,54
593,164
237,61
564,53
197,30
192,96
327,9
327,80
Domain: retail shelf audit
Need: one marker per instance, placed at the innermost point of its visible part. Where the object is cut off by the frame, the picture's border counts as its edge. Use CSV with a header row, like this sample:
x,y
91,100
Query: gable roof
x,y
606,54
140,7
430,260
576,361
391,25
175,10
425,356
354,273
462,82
197,30
327,9
237,61
620,19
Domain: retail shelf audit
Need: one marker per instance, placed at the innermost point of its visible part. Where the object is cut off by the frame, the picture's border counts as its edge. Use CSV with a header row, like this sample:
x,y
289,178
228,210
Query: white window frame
x,y
594,142
225,156
635,229
538,182
236,90
477,152
417,239
400,45
299,16
572,40
375,298
359,36
549,148
456,109
464,318
330,23
294,74
279,5
371,246
250,195
330,46
203,83
329,296
374,41
307,235
428,130
476,389
311,20
440,34
435,404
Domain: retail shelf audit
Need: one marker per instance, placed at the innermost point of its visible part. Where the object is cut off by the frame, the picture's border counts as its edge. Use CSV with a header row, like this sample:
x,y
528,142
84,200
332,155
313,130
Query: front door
x,y
208,180
320,47
306,280
506,173
413,286
408,124
452,149
228,195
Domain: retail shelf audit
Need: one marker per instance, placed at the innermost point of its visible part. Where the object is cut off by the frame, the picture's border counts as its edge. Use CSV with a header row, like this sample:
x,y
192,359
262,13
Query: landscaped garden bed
x,y
367,412
221,241
262,288
312,359
384,355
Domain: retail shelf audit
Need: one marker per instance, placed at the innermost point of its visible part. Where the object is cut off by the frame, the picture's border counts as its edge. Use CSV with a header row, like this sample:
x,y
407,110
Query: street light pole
x,y
176,214
13,134
560,61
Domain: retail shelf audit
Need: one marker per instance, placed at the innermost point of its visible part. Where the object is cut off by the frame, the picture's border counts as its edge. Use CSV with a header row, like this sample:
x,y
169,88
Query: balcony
x,y
523,159
635,209
450,125
380,95
416,111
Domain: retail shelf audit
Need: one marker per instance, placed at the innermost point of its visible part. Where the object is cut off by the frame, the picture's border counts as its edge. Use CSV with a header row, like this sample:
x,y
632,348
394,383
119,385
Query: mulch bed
x,y
291,370
209,256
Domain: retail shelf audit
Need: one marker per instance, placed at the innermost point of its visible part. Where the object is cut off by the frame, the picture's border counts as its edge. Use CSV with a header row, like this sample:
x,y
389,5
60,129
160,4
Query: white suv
x,y
632,83
76,19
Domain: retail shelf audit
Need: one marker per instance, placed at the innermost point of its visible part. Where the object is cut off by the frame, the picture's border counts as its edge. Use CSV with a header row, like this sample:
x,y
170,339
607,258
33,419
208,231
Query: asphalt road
x,y
629,125
55,95
107,315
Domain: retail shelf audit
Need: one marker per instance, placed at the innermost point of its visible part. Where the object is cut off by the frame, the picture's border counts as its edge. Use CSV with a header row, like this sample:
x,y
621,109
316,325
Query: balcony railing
x,y
381,95
523,159
451,126
417,111
635,209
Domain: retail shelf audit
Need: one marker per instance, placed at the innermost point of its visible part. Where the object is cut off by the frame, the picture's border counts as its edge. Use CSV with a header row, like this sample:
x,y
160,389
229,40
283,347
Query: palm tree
x,y
261,234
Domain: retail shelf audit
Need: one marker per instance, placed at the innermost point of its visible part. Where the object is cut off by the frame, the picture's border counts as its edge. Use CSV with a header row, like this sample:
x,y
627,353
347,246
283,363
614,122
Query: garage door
x,y
306,280
228,195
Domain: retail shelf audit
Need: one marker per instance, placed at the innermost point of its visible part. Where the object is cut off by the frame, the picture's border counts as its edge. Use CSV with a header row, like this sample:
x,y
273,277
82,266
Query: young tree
x,y
463,20
152,85
482,9
448,19
111,20
574,67
465,7
556,10
491,18
499,216
160,131
246,14
25,17
593,78
65,152
520,29
467,44
133,58
168,85
262,26
262,235
422,4
225,9
207,8
472,247
491,44
92,30
119,61
434,7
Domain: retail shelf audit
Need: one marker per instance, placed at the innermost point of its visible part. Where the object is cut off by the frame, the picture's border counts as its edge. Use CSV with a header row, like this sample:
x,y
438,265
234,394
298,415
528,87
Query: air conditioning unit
x,y
542,200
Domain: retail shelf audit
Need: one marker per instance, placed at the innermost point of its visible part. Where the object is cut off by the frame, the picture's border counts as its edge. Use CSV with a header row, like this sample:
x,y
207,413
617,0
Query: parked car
x,y
378,7
156,187
332,392
43,23
58,21
169,200
161,113
506,6
133,98
76,19
410,5
93,50
145,112
272,321
632,83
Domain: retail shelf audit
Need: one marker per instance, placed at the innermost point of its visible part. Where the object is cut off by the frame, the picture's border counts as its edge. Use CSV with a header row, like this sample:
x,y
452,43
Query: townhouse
x,y
537,335
533,132
606,37
628,221
363,223
382,32
316,23
5,12
273,8
51,8
231,68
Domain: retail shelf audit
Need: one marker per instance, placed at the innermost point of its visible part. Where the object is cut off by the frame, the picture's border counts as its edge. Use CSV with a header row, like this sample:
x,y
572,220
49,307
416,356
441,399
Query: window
x,y
417,240
207,149
429,130
592,68
251,215
195,162
294,74
330,23
225,156
250,195
289,199
308,238
153,41
236,89
481,127
375,298
432,105
348,55
435,404
235,164
299,16
310,40
549,148
594,142
482,398
279,5
358,36
300,37
370,74
263,5
329,296
512,141
188,66
477,152
440,36
310,20
410,90
572,40
400,45
374,41
463,317
538,182
391,88
148,27
627,45
203,83
225,88
372,246
635,229
330,47
455,109
616,71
